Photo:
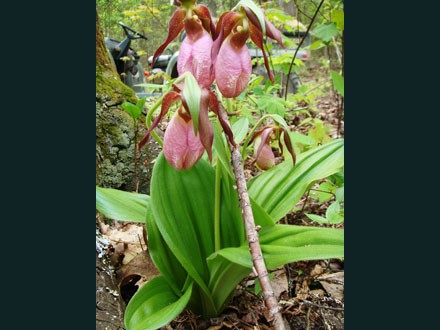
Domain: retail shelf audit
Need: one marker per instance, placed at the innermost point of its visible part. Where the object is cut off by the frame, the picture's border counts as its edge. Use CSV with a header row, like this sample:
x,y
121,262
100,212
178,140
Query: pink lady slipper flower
x,y
233,66
263,154
182,149
195,51
232,62
195,57
181,145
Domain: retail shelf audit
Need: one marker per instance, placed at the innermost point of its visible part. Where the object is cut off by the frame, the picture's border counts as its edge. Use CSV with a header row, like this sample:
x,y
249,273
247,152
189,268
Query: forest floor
x,y
311,293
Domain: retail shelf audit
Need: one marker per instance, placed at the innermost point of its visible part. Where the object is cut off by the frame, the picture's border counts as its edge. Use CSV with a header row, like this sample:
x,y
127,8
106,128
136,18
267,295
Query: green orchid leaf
x,y
232,227
220,149
192,94
261,217
240,129
281,187
164,260
187,228
282,244
225,276
121,205
154,305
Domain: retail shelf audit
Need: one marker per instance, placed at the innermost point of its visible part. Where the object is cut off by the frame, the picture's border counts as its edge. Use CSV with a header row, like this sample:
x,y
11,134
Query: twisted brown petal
x,y
175,25
167,102
213,105
206,131
257,38
271,31
288,143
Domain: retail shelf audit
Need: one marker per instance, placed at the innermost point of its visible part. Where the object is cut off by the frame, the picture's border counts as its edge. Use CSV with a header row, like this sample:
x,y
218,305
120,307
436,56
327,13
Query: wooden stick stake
x,y
252,234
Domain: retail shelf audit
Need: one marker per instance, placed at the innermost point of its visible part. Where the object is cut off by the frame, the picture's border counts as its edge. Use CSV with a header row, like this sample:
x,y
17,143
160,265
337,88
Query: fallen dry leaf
x,y
333,284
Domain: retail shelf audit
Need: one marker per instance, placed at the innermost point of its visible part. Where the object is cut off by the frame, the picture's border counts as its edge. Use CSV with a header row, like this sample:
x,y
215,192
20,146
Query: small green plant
x,y
135,110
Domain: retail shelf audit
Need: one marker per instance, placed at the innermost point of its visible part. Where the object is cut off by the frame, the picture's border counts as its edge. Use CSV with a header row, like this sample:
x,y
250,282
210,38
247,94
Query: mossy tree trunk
x,y
114,168
114,127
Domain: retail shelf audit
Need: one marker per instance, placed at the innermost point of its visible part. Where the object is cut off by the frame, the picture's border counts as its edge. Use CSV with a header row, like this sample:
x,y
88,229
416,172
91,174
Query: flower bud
x,y
182,149
266,158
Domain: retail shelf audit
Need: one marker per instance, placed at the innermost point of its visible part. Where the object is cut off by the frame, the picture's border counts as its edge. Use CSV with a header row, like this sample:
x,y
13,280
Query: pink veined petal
x,y
232,69
181,148
195,57
195,148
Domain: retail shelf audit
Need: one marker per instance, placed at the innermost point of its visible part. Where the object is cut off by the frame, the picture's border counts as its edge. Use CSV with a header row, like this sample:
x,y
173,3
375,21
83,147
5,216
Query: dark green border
x,y
48,171
391,165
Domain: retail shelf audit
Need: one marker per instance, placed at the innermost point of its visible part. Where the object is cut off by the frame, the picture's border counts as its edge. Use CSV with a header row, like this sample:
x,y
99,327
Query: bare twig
x,y
140,242
308,318
300,11
305,201
323,191
307,302
299,46
252,234
163,26
338,51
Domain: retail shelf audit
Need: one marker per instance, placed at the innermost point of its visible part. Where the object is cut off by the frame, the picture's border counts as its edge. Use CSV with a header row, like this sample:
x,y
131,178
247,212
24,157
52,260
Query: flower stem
x,y
217,206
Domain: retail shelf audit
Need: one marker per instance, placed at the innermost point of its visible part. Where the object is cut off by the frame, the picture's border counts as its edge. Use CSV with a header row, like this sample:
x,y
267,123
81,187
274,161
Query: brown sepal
x,y
205,127
271,31
205,16
289,145
175,26
214,106
167,102
257,38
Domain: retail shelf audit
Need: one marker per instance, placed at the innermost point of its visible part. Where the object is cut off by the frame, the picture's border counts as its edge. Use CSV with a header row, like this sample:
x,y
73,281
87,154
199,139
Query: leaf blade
x,y
192,94
280,188
154,305
121,205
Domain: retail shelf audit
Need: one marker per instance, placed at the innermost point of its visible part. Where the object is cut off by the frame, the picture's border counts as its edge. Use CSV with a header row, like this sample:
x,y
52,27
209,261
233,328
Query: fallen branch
x,y
252,233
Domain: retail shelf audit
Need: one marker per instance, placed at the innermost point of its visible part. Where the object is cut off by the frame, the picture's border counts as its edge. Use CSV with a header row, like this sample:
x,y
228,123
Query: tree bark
x,y
115,134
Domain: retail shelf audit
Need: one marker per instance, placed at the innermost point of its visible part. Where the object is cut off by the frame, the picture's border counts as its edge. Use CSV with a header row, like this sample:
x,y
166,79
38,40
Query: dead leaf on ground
x,y
279,282
333,284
